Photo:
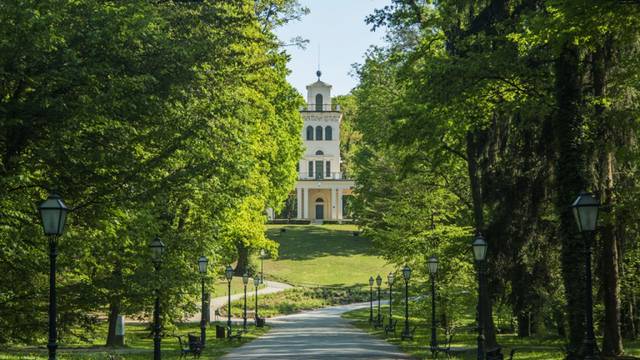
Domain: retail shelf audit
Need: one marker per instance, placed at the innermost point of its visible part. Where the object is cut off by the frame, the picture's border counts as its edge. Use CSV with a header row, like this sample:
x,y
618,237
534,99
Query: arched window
x,y
328,133
319,101
319,200
318,132
309,132
319,152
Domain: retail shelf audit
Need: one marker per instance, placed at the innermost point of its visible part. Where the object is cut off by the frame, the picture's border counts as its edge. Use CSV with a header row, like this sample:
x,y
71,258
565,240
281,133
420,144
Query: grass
x,y
533,348
139,346
323,255
237,287
299,299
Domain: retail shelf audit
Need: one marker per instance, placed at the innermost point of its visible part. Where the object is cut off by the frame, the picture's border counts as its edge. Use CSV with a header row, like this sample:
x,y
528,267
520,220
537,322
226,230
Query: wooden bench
x,y
496,354
234,335
391,327
192,347
408,336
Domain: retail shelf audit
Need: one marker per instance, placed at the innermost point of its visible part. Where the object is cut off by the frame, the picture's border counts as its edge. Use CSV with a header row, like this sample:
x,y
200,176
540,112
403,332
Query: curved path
x,y
318,334
218,302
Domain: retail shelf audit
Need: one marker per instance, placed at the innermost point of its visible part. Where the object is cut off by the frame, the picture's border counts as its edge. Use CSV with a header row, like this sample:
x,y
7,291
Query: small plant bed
x,y
139,345
532,348
299,299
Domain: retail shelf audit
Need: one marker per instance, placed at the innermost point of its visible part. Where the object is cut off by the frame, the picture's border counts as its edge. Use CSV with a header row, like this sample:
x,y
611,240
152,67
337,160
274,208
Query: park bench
x,y
234,334
447,349
378,324
408,336
496,354
391,327
192,347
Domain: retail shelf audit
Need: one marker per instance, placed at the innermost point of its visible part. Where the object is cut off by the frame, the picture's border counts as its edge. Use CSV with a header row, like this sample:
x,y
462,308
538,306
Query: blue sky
x,y
337,28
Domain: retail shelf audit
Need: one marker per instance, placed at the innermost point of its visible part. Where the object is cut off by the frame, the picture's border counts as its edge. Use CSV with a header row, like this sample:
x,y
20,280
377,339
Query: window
x,y
309,132
318,132
328,133
319,200
328,170
319,102
310,168
319,152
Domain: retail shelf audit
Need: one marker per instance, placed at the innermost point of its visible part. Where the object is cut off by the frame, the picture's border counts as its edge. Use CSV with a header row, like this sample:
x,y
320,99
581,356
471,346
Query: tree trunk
x,y
243,258
473,152
570,179
114,311
612,342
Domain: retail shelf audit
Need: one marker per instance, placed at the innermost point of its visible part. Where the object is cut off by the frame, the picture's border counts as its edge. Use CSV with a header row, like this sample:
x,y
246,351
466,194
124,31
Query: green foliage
x,y
169,119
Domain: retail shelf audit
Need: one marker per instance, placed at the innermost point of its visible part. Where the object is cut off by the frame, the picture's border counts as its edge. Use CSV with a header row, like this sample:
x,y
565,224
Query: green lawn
x,y
139,346
237,287
534,348
325,255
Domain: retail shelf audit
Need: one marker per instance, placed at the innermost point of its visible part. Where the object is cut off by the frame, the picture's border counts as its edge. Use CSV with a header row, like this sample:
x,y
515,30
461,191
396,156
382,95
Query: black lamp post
x,y
256,283
371,299
228,273
379,317
585,209
53,214
202,267
390,279
433,268
480,255
406,274
262,255
157,249
245,281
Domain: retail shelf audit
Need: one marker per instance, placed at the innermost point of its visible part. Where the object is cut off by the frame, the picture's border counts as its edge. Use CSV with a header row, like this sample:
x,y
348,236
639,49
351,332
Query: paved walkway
x,y
218,302
319,334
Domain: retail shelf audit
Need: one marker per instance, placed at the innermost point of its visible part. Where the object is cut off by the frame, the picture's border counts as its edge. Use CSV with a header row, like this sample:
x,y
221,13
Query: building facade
x,y
322,189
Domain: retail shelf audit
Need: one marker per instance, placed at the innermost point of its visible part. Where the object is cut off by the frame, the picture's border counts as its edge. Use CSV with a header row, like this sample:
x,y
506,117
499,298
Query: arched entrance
x,y
319,209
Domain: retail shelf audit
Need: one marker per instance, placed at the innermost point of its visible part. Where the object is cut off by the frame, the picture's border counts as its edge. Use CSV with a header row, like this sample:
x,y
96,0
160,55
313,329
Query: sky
x,y
337,31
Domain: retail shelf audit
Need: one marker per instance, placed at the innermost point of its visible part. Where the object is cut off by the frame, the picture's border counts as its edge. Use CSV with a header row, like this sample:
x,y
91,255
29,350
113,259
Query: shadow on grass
x,y
304,242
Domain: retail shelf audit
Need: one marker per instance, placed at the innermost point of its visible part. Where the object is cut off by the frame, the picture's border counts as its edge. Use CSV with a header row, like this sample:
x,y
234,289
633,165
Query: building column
x,y
334,215
340,204
299,203
306,203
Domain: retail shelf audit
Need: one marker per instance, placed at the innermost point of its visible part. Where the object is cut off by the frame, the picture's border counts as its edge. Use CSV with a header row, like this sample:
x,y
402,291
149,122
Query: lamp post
x,y
228,273
202,267
585,210
262,255
406,274
480,255
378,282
256,283
53,214
433,268
390,279
245,281
157,249
371,280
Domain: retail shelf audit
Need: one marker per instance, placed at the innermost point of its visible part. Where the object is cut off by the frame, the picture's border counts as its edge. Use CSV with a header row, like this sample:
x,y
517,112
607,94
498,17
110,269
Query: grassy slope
x,y
139,346
327,255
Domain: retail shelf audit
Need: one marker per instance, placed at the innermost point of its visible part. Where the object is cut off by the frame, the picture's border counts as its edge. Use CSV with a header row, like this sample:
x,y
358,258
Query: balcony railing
x,y
322,176
321,107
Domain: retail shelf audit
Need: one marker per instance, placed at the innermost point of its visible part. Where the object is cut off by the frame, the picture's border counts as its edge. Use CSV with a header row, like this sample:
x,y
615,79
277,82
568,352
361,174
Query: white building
x,y
321,188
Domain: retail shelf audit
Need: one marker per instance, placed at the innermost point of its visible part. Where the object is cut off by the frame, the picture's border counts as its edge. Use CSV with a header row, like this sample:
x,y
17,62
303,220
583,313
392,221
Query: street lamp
x,y
202,267
245,281
406,274
585,210
157,249
390,279
371,299
53,214
480,255
262,255
433,268
378,282
256,283
228,273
